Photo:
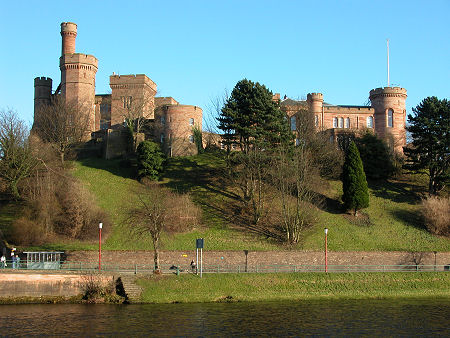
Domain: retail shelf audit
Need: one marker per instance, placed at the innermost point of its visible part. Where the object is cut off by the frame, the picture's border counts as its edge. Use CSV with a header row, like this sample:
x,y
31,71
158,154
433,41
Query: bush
x,y
376,158
150,160
436,211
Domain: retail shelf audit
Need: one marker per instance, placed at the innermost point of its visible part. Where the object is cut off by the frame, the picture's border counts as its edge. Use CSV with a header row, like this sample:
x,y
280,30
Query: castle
x,y
385,117
132,97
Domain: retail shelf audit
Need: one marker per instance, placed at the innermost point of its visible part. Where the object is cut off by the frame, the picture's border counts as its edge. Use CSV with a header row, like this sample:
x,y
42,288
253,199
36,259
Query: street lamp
x,y
100,226
326,258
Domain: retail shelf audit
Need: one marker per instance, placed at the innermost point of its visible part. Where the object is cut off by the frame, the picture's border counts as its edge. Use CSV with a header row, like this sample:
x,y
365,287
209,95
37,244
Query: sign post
x,y
199,245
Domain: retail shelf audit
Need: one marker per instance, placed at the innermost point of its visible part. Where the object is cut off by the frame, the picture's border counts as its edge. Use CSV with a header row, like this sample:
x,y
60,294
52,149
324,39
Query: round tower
x,y
315,104
77,74
42,93
180,121
68,34
389,104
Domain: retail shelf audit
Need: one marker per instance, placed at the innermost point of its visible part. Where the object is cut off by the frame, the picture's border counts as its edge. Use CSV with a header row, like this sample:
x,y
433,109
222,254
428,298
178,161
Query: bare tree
x,y
62,124
159,210
16,159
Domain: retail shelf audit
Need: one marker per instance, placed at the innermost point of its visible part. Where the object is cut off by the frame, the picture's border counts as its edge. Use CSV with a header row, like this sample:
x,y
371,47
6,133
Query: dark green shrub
x,y
356,192
375,156
150,160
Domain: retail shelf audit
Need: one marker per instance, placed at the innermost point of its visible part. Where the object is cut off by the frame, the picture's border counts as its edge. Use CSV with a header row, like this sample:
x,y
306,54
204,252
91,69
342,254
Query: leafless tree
x,y
16,159
159,210
62,124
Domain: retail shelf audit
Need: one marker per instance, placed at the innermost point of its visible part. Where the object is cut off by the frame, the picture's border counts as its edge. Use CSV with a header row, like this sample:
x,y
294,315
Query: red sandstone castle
x,y
132,97
385,117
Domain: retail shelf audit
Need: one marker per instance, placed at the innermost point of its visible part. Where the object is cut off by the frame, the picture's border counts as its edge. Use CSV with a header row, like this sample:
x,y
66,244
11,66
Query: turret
x,y
315,104
68,34
389,104
42,93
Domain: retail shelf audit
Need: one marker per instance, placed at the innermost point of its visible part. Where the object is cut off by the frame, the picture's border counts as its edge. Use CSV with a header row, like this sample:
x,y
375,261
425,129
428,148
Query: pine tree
x,y
356,193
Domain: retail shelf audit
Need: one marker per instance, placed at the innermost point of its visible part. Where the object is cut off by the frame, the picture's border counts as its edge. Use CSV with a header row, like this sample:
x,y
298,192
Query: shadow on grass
x,y
409,218
397,191
118,167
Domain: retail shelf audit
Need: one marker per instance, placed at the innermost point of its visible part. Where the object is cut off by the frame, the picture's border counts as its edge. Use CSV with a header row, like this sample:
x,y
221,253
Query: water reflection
x,y
330,318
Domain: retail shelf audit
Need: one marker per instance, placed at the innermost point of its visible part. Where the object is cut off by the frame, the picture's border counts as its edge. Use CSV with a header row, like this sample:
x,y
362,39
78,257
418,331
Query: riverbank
x,y
293,286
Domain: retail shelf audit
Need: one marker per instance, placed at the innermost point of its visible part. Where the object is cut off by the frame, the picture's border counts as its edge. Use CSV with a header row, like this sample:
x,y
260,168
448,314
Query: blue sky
x,y
194,50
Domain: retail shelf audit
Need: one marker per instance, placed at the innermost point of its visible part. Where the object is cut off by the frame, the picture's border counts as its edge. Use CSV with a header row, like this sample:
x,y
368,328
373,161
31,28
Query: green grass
x,y
293,286
391,222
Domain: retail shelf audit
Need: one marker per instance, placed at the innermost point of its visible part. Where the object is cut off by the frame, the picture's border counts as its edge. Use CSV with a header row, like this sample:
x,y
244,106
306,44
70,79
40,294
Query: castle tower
x,y
77,74
389,104
315,105
42,93
132,96
68,34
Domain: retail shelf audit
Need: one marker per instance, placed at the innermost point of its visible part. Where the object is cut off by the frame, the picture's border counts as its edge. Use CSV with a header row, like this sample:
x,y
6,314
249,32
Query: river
x,y
300,318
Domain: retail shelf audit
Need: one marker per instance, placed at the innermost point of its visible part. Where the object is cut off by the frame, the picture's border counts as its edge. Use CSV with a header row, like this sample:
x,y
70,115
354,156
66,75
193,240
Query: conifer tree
x,y
356,193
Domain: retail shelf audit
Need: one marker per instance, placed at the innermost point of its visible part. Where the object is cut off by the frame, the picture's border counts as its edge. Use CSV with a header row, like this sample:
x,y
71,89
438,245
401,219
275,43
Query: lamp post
x,y
326,257
100,226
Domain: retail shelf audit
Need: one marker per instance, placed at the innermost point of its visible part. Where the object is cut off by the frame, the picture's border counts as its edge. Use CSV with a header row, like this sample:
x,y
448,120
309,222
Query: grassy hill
x,y
391,222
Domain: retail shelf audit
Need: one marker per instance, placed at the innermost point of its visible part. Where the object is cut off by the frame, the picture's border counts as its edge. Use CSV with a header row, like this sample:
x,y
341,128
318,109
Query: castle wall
x,y
132,96
42,93
177,128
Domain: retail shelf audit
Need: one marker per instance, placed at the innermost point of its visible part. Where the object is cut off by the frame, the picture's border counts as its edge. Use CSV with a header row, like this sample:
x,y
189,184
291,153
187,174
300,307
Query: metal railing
x,y
217,268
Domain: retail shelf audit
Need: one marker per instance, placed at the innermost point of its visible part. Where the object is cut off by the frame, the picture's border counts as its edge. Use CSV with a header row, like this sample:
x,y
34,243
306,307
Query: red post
x,y
326,251
100,225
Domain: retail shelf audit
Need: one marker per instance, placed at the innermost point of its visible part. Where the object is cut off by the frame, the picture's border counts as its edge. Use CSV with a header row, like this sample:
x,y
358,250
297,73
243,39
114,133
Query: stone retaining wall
x,y
183,258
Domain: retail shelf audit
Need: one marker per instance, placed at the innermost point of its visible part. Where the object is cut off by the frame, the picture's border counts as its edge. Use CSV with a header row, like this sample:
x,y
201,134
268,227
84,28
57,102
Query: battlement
x,y
314,97
68,28
78,58
388,91
123,81
348,110
161,101
43,81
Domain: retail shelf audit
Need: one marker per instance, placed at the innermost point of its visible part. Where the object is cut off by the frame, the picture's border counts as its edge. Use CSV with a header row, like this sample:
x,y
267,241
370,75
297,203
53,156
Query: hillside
x,y
391,223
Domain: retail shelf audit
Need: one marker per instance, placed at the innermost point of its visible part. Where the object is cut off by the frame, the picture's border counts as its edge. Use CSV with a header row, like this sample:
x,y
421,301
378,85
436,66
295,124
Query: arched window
x,y
370,122
316,120
347,122
293,123
162,138
335,122
390,119
191,138
341,122
191,121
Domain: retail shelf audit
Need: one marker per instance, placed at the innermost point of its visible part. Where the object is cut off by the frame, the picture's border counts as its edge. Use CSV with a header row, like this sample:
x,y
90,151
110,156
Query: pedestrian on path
x,y
193,267
3,262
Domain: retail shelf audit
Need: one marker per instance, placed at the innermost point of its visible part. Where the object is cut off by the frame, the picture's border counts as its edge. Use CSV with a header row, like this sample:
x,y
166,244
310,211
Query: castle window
x,y
316,121
341,122
347,122
191,121
370,122
293,123
127,100
335,122
163,120
162,138
191,138
390,119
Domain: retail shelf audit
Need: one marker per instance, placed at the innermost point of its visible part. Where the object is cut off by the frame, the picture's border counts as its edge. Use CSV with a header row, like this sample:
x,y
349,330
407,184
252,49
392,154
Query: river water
x,y
300,318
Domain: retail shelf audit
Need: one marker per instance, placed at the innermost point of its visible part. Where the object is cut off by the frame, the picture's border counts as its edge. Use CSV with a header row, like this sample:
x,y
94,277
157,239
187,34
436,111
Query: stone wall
x,y
183,258
25,284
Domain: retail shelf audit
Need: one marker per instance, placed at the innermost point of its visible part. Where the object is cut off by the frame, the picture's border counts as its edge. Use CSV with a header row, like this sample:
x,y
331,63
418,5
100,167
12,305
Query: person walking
x,y
193,267
3,262
17,262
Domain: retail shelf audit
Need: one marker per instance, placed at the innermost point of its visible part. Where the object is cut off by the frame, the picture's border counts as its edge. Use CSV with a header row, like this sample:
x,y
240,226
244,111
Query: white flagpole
x,y
388,84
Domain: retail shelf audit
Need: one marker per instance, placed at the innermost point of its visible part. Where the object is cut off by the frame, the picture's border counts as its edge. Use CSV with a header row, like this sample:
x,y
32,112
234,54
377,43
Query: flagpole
x,y
388,82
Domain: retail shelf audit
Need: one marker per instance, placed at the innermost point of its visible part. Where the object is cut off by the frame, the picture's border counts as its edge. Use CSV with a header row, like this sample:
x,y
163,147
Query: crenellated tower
x,y
77,74
42,93
389,104
315,105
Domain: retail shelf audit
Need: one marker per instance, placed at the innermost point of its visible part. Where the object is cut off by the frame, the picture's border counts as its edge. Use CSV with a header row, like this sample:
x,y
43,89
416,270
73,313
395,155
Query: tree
x,y
62,124
16,159
150,160
251,118
159,210
356,192
375,155
430,149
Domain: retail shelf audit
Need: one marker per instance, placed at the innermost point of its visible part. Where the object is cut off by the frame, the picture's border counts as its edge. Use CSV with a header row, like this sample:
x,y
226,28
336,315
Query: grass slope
x,y
293,286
